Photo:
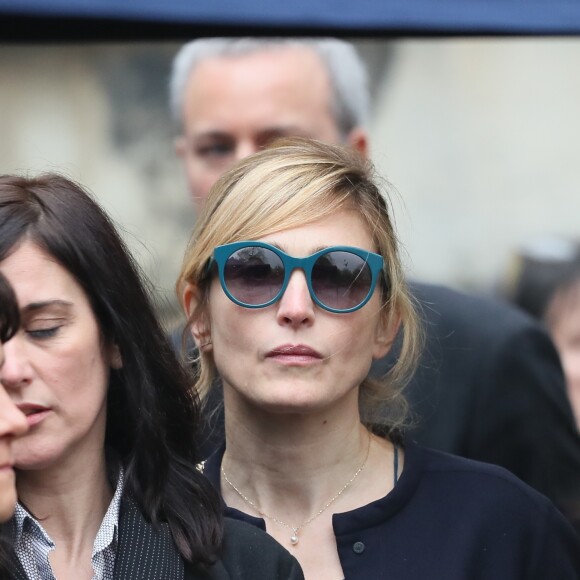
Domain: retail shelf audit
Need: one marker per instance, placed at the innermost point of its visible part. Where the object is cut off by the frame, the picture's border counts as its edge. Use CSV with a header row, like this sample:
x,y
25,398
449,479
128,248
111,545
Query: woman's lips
x,y
34,413
300,355
6,466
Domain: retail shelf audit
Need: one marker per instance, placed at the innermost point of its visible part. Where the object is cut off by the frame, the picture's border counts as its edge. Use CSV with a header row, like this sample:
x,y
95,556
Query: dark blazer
x,y
146,554
489,387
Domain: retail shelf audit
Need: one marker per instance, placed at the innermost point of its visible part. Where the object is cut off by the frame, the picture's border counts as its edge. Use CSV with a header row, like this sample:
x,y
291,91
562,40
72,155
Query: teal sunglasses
x,y
255,274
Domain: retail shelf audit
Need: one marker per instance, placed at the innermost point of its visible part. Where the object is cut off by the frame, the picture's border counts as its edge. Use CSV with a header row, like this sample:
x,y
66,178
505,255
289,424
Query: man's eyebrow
x,y
210,134
275,130
36,306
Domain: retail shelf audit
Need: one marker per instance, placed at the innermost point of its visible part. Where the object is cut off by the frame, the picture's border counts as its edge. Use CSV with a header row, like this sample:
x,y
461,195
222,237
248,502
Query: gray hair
x,y
348,76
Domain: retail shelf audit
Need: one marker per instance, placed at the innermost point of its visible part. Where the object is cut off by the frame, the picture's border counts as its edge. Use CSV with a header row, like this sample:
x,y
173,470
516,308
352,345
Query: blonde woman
x,y
292,284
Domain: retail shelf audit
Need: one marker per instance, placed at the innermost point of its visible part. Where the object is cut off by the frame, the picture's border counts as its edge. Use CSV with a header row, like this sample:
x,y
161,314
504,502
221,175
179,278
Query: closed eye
x,y
43,333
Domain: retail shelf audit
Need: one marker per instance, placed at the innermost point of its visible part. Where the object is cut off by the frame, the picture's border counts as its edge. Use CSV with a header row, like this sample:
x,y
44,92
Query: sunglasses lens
x,y
254,275
341,280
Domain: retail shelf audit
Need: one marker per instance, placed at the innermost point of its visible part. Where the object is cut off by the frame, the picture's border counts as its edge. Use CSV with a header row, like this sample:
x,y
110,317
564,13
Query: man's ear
x,y
200,329
359,141
180,145
385,335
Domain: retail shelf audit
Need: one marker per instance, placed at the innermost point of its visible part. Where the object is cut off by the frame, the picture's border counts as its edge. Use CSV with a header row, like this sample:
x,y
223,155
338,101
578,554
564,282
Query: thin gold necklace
x,y
295,529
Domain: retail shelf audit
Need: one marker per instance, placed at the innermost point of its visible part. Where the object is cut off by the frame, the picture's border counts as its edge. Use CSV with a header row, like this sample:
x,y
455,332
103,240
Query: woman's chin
x,y
294,403
295,397
7,496
28,459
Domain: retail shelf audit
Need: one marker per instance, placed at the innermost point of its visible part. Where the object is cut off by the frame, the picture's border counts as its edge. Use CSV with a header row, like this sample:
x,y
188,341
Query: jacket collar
x,y
145,551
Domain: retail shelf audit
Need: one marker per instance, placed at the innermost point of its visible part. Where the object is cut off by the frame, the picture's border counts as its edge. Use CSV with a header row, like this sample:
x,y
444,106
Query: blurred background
x,y
477,137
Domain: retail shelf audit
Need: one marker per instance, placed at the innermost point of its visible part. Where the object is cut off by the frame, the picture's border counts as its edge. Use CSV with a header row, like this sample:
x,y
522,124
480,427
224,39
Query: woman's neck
x,y
69,500
297,470
291,463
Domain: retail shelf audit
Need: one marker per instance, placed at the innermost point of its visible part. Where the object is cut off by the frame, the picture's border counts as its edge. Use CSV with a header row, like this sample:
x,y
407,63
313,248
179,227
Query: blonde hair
x,y
293,183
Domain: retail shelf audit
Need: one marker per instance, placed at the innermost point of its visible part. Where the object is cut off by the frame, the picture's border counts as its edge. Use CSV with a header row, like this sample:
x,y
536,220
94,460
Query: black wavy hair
x,y
152,415
9,324
9,314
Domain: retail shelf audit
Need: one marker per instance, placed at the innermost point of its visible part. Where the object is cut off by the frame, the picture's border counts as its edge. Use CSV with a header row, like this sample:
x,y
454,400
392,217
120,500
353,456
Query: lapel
x,y
17,572
144,553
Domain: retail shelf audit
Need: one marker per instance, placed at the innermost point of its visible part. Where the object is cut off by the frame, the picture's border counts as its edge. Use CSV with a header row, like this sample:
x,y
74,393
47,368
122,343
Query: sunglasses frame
x,y
222,253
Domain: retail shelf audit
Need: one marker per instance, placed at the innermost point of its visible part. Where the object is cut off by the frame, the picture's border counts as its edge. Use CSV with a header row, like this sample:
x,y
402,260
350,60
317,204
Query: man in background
x,y
229,106
489,385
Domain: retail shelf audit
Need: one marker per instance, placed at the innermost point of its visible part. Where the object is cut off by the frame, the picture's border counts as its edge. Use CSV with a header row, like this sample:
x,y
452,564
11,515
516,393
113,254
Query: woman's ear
x,y
200,328
385,335
115,358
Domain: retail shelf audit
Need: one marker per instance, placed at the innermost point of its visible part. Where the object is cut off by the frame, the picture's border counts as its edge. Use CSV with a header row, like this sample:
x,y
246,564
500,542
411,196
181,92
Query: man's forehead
x,y
268,56
260,73
282,91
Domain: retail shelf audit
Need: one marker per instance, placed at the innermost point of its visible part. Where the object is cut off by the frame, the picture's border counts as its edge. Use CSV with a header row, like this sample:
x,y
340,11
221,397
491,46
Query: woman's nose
x,y
296,307
16,370
12,420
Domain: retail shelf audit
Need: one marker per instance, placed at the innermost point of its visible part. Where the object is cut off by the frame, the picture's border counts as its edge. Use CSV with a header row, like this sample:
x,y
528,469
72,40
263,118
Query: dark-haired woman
x,y
106,476
12,420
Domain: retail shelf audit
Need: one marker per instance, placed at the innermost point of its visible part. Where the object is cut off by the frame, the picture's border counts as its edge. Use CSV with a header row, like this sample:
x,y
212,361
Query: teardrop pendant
x,y
294,538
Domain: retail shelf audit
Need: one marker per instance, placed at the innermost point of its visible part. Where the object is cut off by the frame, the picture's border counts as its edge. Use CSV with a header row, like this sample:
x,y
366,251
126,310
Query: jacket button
x,y
358,547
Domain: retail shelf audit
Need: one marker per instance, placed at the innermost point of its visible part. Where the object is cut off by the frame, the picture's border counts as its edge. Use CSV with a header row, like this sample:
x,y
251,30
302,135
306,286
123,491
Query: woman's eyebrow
x,y
313,251
276,245
36,306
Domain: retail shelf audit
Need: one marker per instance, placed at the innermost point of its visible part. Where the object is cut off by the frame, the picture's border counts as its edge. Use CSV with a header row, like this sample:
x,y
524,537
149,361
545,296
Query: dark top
x,y
449,518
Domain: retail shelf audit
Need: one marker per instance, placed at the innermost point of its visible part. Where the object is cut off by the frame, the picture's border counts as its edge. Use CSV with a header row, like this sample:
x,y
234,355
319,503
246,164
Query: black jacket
x,y
490,387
